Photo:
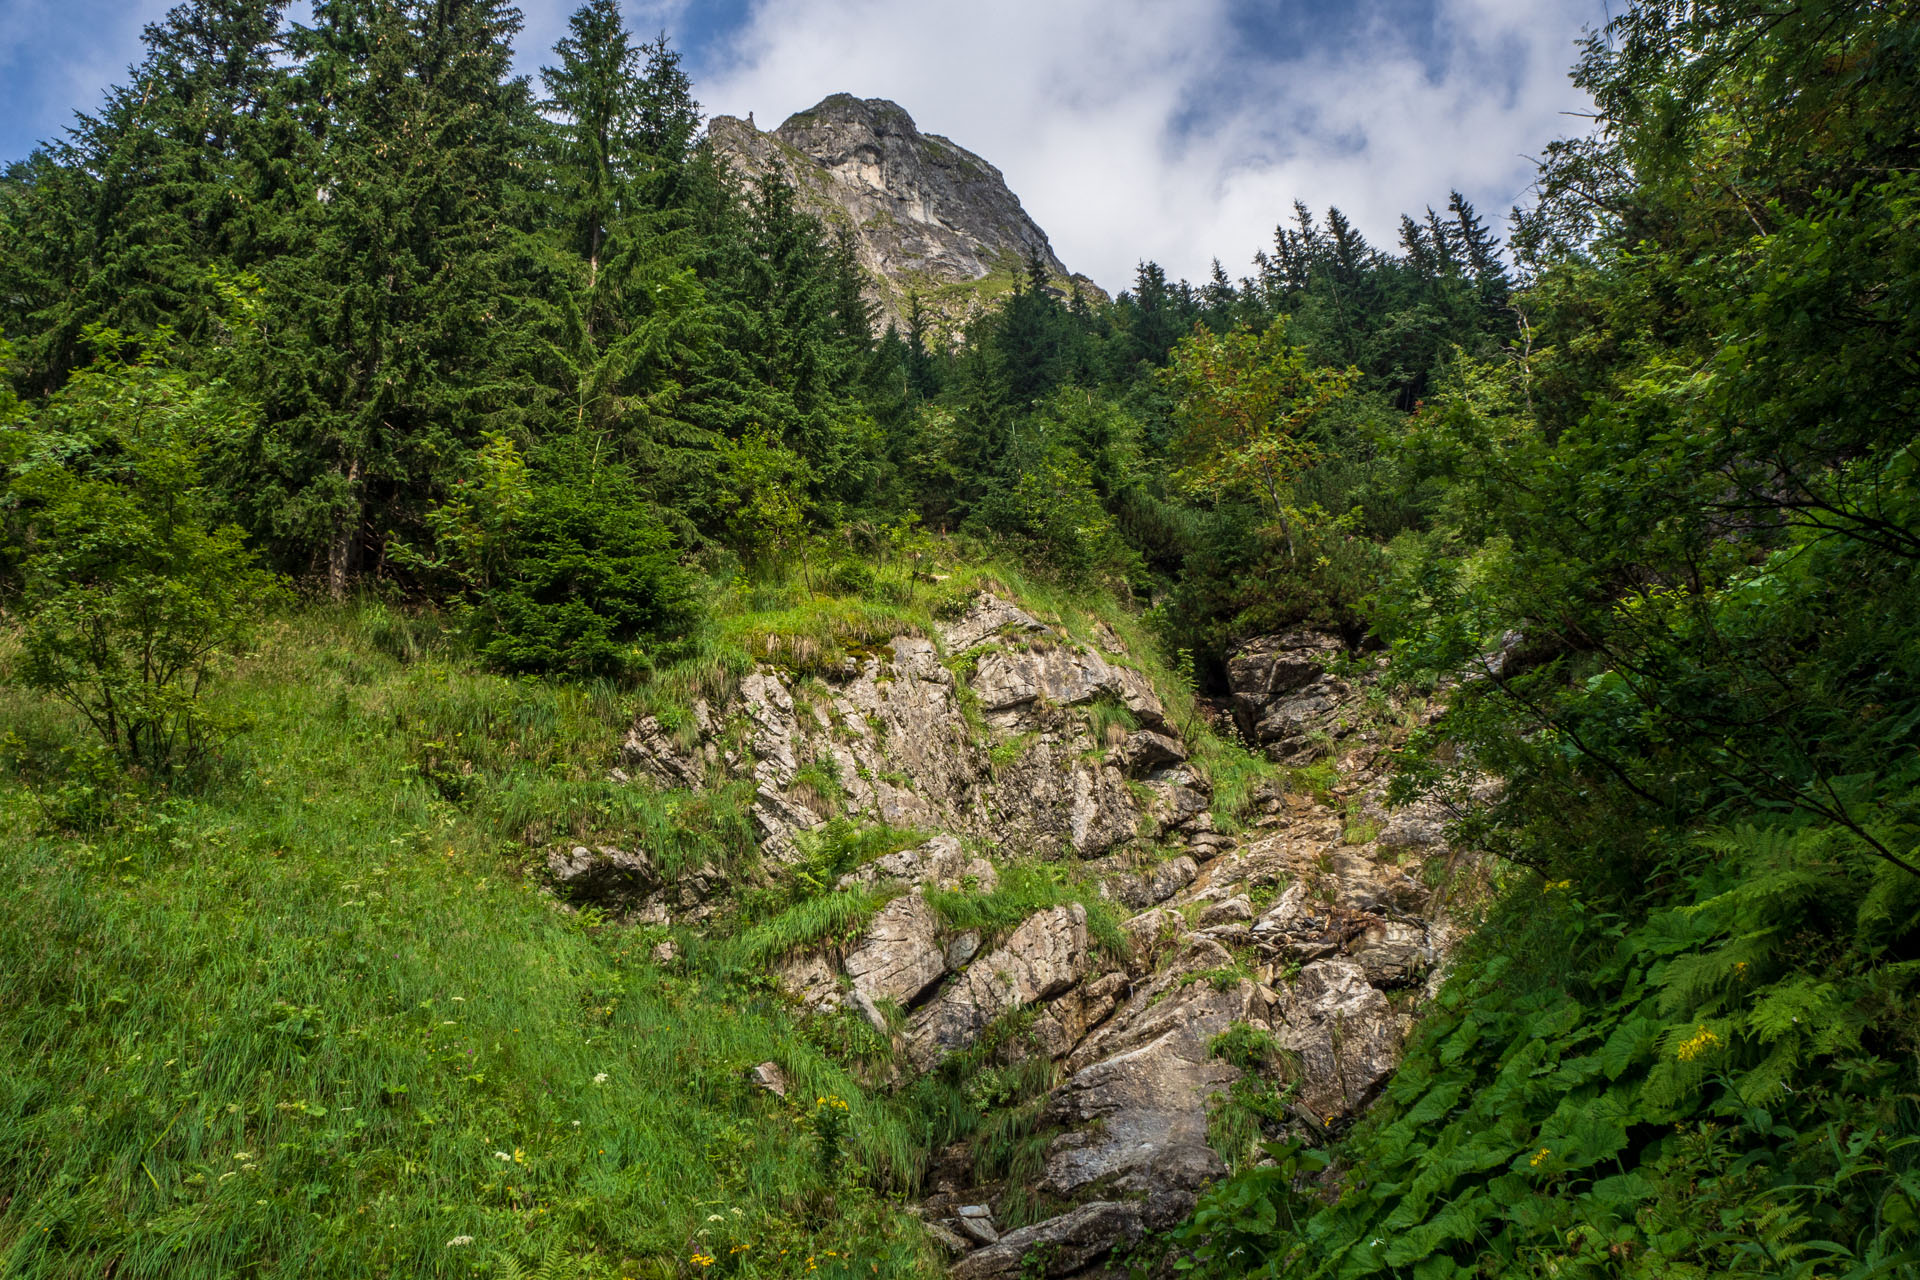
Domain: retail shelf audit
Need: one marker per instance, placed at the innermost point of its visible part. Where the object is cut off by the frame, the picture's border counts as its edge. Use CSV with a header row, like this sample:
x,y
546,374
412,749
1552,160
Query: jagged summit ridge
x,y
928,215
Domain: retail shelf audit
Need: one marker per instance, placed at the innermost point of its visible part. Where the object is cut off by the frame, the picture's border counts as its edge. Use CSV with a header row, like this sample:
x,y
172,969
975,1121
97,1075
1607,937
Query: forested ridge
x,y
337,355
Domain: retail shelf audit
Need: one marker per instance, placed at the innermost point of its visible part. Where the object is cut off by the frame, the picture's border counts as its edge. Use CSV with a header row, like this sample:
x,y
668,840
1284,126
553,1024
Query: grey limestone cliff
x,y
928,216
1314,927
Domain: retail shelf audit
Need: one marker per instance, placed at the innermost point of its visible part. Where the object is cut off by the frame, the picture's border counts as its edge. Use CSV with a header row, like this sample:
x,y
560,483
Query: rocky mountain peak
x,y
928,216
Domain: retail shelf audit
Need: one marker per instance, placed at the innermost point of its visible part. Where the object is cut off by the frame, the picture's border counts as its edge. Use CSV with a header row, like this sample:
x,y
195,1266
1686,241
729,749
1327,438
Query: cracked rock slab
x,y
900,956
1041,959
1059,1246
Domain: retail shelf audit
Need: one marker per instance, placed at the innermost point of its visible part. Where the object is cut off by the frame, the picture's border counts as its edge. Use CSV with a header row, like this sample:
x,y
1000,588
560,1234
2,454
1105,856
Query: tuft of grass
x,y
1023,889
839,916
1109,722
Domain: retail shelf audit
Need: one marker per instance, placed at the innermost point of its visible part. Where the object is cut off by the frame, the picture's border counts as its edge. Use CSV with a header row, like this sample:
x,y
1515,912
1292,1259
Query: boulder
x,y
947,1238
900,957
1046,955
1167,879
976,1220
1283,697
1138,1116
941,862
810,980
603,874
1143,752
989,616
1345,1034
1100,813
1064,1022
1063,676
1393,953
1235,910
650,749
1059,1246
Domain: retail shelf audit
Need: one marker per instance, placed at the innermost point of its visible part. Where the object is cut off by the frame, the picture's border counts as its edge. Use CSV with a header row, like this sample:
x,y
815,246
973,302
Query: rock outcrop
x,y
1312,927
1285,701
927,215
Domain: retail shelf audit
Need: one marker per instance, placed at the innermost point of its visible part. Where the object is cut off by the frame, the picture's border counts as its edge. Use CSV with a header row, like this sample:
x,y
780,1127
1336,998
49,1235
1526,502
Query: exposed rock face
x,y
1044,957
901,956
1284,700
1311,926
927,215
1065,1244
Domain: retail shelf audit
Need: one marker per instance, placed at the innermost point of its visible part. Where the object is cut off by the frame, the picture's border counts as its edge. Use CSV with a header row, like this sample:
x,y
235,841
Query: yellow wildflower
x,y
1540,1158
1703,1042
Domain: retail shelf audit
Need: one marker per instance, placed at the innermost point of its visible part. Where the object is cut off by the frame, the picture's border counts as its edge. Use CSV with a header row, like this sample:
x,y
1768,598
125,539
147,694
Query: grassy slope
x,y
288,1019
285,1021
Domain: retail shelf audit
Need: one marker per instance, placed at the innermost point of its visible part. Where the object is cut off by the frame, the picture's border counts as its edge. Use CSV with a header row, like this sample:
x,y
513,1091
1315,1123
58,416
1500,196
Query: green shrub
x,y
132,589
590,574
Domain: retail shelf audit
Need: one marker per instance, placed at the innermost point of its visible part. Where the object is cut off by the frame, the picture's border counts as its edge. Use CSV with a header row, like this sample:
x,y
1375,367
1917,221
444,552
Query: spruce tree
x,y
393,283
121,222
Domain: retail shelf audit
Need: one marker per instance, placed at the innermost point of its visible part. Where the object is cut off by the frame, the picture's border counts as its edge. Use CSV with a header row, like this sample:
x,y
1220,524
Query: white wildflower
x,y
501,1155
601,1078
459,1242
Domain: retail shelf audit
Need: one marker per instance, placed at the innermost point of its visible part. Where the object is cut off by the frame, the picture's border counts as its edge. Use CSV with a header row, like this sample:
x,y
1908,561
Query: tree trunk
x,y
346,537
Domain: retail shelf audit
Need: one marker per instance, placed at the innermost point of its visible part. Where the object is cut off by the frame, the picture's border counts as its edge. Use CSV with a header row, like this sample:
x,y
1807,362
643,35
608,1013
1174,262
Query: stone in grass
x,y
979,1228
770,1077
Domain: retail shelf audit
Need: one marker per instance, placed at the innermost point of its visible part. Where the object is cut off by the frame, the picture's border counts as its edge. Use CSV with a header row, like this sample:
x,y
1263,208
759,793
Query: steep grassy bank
x,y
303,1018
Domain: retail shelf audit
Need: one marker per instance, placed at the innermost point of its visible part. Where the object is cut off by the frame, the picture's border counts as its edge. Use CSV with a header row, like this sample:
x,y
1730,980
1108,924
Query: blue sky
x,y
1178,130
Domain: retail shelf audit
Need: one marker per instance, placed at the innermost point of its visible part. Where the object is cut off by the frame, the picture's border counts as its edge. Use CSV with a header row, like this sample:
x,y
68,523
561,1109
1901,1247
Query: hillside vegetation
x,y
381,443
306,1014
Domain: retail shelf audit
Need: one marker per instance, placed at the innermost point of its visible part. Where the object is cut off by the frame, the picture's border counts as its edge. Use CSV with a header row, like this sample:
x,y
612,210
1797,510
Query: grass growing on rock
x,y
1025,888
300,1018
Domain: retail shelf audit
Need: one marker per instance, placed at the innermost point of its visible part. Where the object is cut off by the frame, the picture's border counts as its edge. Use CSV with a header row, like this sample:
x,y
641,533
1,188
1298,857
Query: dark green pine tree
x,y
122,221
621,316
1030,334
1482,252
1148,318
923,375
793,355
595,149
394,286
669,122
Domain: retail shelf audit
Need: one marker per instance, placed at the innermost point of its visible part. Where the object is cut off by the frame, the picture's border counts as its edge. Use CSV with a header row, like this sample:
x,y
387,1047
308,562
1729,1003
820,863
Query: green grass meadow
x,y
306,1015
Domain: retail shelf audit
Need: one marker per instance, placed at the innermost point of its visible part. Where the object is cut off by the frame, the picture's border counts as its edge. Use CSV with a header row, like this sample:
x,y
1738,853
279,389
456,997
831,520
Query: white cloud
x,y
58,57
1145,129
1130,128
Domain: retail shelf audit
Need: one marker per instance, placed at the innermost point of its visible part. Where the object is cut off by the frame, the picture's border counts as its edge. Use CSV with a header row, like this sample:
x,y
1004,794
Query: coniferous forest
x,y
380,430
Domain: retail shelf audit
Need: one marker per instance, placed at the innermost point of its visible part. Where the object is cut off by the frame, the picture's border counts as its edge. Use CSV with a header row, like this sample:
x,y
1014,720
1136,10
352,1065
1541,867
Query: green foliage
x,y
1049,513
590,574
837,916
1246,404
132,592
1684,1096
1671,542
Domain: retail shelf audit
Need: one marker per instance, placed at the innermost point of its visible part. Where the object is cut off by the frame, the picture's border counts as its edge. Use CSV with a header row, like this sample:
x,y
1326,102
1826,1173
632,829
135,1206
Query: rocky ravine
x,y
1287,927
928,216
